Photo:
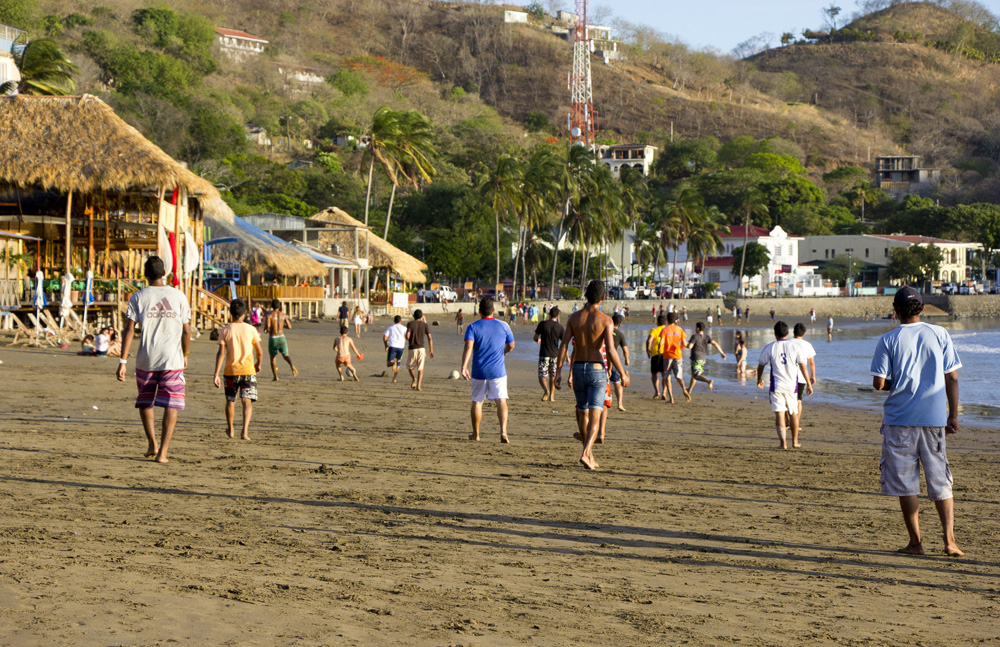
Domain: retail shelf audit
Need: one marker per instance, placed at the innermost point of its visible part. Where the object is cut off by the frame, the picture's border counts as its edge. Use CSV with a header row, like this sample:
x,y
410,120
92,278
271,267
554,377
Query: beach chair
x,y
40,332
61,336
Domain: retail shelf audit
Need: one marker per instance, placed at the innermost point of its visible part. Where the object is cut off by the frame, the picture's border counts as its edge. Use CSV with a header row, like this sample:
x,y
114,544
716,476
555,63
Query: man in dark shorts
x,y
164,315
394,339
591,329
548,334
421,346
698,345
622,347
343,312
654,351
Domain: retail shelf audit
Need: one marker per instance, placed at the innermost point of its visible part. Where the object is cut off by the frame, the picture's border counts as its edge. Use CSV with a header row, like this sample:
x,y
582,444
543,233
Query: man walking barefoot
x,y
418,334
654,351
394,339
548,334
164,315
621,345
591,329
698,345
918,365
275,324
673,357
241,352
487,343
786,361
809,353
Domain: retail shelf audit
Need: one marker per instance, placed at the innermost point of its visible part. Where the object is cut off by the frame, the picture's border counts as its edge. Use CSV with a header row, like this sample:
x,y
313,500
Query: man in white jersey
x,y
918,365
394,339
810,355
786,361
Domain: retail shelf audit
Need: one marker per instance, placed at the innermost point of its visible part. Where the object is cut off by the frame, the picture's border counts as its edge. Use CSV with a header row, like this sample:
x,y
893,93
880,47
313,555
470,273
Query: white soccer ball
x,y
454,375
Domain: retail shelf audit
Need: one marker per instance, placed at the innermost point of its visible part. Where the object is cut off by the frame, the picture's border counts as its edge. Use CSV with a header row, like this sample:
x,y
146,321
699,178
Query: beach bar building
x,y
101,197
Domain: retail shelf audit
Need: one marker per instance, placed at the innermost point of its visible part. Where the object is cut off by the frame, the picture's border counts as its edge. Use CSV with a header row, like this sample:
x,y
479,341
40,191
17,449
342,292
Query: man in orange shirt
x,y
673,345
240,349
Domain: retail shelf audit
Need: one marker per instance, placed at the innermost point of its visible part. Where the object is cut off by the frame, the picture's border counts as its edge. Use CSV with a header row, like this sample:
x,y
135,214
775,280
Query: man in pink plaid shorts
x,y
164,317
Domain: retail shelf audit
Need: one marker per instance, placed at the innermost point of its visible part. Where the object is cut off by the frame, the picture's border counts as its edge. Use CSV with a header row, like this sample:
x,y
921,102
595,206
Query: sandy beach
x,y
359,514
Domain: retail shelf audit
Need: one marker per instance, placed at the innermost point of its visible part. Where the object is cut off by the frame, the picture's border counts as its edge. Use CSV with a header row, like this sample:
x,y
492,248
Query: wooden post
x,y
69,233
178,260
90,239
107,246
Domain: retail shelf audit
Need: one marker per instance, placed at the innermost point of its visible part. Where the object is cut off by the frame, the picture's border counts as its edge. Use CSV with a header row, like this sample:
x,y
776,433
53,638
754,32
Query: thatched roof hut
x,y
381,254
78,144
257,251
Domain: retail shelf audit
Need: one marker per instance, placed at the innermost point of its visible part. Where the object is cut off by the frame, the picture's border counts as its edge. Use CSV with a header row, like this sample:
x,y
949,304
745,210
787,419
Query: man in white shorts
x,y
786,361
487,343
918,365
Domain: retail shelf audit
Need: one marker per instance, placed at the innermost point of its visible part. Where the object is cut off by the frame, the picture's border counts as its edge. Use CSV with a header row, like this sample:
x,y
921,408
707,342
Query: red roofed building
x,y
237,45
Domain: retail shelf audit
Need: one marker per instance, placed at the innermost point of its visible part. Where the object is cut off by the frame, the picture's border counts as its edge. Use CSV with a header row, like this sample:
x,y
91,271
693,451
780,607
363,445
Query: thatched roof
x,y
382,254
79,144
257,251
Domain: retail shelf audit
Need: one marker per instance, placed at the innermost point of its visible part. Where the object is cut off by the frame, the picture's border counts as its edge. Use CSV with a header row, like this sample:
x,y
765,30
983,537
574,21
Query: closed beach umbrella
x,y
164,249
39,301
191,256
88,295
65,303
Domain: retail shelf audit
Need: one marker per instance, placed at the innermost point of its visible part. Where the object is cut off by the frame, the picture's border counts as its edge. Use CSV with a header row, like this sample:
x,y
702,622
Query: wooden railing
x,y
209,308
268,292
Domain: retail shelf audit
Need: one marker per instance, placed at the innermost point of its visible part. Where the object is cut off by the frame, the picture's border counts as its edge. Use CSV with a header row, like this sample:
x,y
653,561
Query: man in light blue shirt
x,y
487,342
918,365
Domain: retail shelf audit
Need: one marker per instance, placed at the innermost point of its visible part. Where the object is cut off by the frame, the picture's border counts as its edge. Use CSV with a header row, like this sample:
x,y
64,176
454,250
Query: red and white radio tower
x,y
582,117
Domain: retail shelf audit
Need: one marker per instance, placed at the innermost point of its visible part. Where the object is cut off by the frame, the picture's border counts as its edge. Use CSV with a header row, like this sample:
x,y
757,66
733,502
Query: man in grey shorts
x,y
918,365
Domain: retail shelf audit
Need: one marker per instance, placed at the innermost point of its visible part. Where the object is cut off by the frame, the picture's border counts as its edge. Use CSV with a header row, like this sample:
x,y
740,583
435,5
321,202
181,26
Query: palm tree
x,y
685,209
44,70
500,187
540,194
635,196
706,236
411,151
648,247
752,204
577,161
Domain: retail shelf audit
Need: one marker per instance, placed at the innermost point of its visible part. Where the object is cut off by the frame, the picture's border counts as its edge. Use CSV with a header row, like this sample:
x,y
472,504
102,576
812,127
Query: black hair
x,y
418,313
699,326
275,304
780,330
343,330
397,319
671,317
661,320
595,292
237,308
153,270
799,329
617,319
486,307
910,309
553,312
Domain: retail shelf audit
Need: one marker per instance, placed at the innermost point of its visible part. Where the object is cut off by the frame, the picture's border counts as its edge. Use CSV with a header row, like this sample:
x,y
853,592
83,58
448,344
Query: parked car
x,y
445,292
949,288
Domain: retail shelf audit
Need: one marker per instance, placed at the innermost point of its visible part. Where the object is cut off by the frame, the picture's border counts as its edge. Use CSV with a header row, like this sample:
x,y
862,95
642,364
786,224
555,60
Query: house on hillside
x,y
873,251
567,17
637,156
8,68
300,74
256,135
902,175
238,45
515,17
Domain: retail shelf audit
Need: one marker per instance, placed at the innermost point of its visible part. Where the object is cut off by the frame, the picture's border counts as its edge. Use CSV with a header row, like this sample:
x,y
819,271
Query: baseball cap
x,y
905,295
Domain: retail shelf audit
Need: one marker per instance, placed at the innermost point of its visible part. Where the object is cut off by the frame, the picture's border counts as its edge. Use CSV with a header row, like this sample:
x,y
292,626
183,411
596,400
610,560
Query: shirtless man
x,y
343,346
276,322
591,329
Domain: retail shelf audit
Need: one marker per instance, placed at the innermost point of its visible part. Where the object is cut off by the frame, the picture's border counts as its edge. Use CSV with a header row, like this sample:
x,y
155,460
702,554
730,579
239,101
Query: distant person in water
x,y
918,365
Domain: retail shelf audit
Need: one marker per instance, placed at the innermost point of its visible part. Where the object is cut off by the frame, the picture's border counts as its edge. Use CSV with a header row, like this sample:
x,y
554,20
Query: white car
x,y
445,292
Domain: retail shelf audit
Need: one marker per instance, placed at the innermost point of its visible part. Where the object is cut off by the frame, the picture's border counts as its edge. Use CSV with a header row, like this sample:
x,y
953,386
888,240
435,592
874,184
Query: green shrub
x,y
349,83
76,20
571,292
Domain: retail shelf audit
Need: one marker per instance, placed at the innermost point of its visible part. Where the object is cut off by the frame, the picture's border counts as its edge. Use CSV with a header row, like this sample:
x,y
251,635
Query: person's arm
x,y
126,346
812,370
879,383
760,376
259,350
719,348
385,339
219,357
186,343
649,345
354,349
805,376
563,350
625,351
285,321
430,345
951,389
538,338
466,356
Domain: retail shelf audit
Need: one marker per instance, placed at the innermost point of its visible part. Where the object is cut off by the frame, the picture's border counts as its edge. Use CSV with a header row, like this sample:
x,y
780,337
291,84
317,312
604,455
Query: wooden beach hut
x,y
99,195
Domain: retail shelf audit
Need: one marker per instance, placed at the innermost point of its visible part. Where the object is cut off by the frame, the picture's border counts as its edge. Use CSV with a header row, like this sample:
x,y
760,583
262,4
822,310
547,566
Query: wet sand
x,y
359,514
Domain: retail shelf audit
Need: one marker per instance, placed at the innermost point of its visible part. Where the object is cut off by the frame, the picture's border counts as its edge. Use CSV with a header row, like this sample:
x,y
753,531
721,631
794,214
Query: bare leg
x,y
357,330
619,392
340,373
593,428
502,417
295,371
274,367
247,412
670,389
603,427
910,505
552,388
779,424
477,417
657,392
413,379
354,372
946,511
149,426
795,431
543,381
420,380
395,372
581,426
169,421
687,394
230,414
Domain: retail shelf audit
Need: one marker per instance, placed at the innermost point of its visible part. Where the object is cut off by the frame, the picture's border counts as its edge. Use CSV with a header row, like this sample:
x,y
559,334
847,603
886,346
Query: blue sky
x,y
722,23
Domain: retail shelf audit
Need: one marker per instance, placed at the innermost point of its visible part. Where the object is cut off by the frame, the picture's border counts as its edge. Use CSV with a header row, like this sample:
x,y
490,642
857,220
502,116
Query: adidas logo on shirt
x,y
161,310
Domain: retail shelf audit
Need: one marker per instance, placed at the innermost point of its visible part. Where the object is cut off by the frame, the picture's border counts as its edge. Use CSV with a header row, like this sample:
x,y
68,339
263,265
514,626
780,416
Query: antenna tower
x,y
582,117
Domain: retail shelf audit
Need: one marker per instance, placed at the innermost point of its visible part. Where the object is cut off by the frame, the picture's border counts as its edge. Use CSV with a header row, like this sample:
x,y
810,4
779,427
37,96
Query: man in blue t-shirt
x,y
918,365
487,342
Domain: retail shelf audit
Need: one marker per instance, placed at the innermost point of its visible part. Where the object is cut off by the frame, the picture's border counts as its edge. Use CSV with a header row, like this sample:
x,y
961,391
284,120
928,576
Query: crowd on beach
x,y
916,363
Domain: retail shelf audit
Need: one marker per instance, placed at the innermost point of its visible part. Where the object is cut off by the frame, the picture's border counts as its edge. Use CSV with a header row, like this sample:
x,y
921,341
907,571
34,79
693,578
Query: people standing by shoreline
x,y
164,315
241,353
785,360
918,365
547,335
487,342
275,323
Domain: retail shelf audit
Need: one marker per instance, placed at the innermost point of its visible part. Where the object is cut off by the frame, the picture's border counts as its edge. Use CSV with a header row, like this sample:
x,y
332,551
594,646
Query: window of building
x,y
713,276
826,253
866,252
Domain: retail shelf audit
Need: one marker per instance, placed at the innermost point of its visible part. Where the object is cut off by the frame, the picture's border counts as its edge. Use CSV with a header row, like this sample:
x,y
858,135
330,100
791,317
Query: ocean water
x,y
842,365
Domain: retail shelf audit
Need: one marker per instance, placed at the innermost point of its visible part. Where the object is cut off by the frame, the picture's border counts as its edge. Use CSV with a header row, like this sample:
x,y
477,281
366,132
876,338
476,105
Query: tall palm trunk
x,y
572,271
517,256
388,215
743,256
496,216
555,252
586,264
524,265
368,195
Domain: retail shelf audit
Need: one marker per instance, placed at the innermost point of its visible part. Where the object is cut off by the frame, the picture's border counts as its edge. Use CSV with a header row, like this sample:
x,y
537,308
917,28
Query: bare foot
x,y
600,440
275,379
912,549
161,459
589,463
419,388
657,396
341,378
952,549
578,436
545,398
782,446
671,400
356,378
245,437
413,385
295,372
393,380
797,445
150,452
473,436
711,384
621,408
231,433
687,396
504,439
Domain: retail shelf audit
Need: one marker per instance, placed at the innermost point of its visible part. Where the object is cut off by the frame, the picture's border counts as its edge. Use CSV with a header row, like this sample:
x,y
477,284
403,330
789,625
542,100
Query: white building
x,y
637,156
300,74
238,45
873,250
515,17
8,69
